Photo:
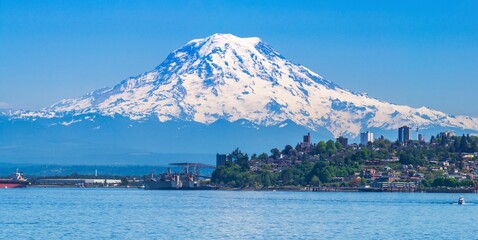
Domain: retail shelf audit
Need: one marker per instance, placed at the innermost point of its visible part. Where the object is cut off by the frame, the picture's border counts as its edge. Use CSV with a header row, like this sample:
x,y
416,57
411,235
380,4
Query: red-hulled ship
x,y
15,181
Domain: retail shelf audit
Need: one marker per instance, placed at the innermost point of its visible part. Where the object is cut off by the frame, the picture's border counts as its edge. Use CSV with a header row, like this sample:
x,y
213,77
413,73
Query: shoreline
x,y
289,189
339,189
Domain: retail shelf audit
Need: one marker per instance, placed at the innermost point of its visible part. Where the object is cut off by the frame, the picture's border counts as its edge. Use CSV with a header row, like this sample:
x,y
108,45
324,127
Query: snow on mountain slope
x,y
231,78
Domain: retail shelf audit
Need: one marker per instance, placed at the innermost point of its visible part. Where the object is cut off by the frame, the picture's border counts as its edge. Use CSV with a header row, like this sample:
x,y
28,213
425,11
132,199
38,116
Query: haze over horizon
x,y
408,53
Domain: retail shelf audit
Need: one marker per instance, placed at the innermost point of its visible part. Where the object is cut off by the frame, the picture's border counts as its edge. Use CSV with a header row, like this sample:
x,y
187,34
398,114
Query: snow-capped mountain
x,y
231,78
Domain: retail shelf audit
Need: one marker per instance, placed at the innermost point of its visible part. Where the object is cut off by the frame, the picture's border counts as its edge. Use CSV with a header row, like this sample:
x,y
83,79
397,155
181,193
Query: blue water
x,y
36,213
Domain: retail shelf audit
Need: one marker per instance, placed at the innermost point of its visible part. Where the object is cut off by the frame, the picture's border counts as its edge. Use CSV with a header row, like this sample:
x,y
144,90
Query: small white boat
x,y
461,200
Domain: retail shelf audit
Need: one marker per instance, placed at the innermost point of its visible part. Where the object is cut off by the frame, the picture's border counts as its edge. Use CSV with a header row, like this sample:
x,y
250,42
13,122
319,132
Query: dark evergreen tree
x,y
287,150
275,153
463,144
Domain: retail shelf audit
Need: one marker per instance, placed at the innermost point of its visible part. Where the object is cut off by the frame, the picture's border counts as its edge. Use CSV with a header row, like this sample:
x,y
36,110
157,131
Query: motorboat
x,y
461,200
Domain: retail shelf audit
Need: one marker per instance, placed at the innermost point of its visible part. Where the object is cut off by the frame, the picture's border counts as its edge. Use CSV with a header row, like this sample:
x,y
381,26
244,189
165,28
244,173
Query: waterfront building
x,y
79,182
344,141
366,137
404,134
397,186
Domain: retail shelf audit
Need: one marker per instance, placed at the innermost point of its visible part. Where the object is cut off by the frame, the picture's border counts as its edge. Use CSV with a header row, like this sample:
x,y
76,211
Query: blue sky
x,y
418,53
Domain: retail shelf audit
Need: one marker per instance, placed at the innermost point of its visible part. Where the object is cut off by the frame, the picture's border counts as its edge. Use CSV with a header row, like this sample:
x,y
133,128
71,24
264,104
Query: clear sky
x,y
418,53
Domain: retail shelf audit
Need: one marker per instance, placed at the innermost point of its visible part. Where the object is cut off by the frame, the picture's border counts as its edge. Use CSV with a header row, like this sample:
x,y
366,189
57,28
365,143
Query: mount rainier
x,y
226,89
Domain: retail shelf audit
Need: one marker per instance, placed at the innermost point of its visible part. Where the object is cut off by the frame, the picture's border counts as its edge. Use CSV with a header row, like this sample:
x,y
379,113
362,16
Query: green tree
x,y
330,147
263,157
315,181
240,158
287,150
463,144
363,181
266,179
321,147
275,153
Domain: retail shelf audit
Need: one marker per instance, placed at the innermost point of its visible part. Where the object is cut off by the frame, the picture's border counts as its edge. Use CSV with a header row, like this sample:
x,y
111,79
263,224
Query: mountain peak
x,y
227,38
225,77
220,43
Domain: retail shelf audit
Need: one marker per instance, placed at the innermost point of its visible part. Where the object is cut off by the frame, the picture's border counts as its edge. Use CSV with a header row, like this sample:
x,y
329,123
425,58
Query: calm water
x,y
35,213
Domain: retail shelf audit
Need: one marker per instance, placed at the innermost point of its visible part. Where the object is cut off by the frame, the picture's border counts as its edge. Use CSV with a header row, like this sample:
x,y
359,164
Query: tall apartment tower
x,y
221,159
307,139
421,138
366,137
404,134
305,145
344,141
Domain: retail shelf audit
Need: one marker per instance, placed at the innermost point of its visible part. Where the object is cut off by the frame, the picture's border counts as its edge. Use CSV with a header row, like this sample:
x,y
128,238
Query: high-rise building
x,y
221,159
421,138
447,134
343,141
366,137
305,145
404,134
307,138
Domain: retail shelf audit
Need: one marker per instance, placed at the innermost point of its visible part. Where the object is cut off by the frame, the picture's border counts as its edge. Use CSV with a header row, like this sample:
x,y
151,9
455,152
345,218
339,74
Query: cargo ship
x,y
185,180
15,181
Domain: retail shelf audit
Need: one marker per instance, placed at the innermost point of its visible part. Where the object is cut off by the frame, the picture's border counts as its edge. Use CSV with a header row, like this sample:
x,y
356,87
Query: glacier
x,y
225,77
